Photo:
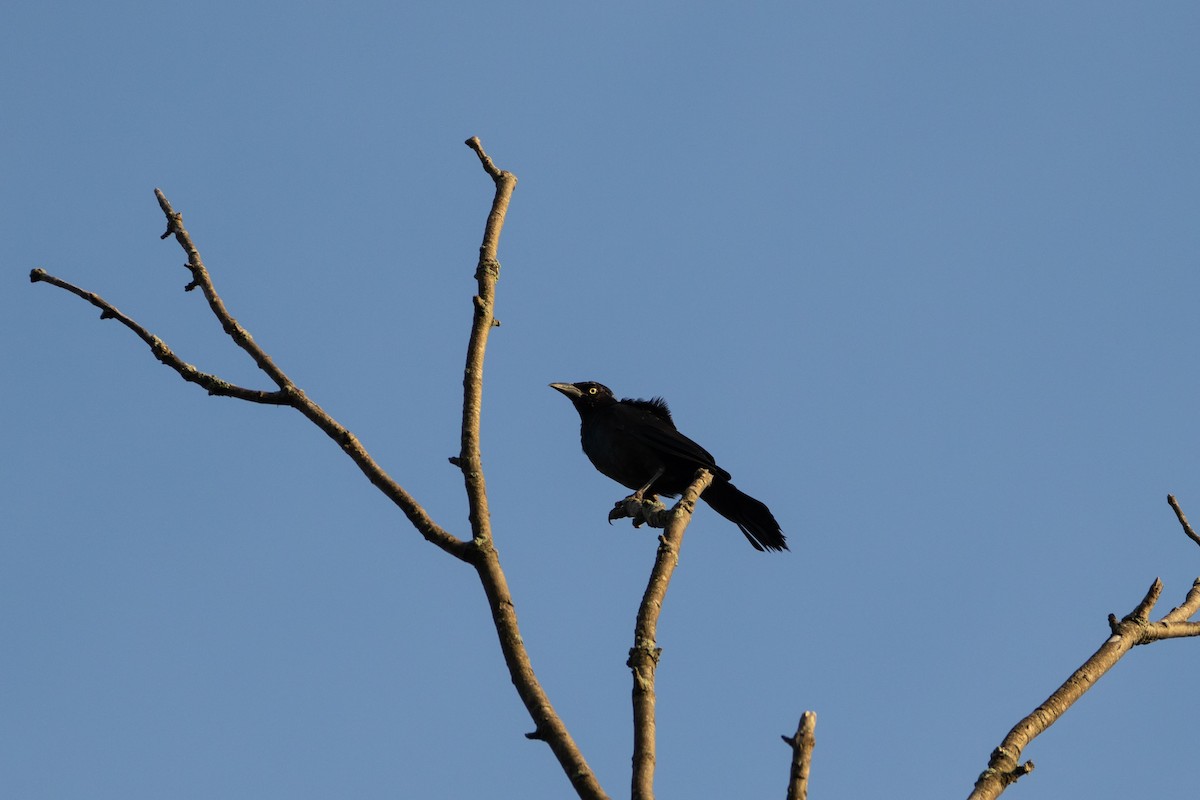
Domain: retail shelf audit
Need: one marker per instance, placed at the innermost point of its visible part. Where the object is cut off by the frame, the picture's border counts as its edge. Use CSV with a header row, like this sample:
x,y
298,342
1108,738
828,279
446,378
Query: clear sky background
x,y
922,276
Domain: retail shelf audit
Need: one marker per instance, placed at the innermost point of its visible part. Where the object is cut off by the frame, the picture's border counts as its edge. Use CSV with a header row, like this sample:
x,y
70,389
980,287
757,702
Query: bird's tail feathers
x,y
752,517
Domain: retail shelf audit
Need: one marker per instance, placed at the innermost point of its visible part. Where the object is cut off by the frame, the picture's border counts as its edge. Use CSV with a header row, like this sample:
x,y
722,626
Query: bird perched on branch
x,y
635,443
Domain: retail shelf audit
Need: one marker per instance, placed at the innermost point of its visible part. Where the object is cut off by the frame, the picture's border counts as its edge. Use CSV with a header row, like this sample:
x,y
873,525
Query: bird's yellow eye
x,y
592,390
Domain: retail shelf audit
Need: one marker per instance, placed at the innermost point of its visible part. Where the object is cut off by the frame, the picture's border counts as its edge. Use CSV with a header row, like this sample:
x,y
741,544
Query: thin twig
x,y
201,278
802,744
488,166
211,383
644,655
1191,534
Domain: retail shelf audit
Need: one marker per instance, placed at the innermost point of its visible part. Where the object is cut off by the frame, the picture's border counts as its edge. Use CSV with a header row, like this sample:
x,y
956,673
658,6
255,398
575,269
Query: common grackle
x,y
635,443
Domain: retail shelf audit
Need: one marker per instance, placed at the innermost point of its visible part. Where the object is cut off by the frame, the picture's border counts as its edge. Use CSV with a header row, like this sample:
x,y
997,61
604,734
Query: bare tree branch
x,y
479,551
289,394
211,383
1134,629
1187,529
548,726
802,744
1004,767
1178,616
487,272
201,278
644,655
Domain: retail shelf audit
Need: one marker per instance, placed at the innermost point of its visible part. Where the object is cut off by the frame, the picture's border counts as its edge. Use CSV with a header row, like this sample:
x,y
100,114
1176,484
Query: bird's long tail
x,y
752,517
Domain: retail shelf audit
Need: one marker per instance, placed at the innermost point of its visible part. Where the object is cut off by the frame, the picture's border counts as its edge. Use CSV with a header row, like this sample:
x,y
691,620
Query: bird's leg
x,y
640,493
632,506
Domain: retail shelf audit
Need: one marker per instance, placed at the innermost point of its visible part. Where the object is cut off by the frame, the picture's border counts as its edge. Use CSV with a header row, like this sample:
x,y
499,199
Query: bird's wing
x,y
659,433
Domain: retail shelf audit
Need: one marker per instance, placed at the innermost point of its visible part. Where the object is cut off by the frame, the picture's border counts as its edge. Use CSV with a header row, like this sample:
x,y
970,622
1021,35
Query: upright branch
x,y
644,655
484,557
487,272
1135,628
802,744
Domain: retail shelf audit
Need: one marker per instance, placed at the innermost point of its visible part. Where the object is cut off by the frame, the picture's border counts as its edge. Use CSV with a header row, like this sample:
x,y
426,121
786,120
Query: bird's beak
x,y
569,389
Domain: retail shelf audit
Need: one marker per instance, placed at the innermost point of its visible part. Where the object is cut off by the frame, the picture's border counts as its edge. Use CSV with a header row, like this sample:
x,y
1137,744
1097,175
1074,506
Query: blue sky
x,y
921,276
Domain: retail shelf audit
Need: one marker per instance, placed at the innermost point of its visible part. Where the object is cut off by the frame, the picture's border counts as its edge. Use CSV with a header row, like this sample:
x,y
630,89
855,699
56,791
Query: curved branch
x,y
211,383
644,655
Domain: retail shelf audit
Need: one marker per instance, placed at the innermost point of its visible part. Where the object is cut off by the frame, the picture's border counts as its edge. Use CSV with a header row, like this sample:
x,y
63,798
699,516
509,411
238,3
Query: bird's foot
x,y
640,510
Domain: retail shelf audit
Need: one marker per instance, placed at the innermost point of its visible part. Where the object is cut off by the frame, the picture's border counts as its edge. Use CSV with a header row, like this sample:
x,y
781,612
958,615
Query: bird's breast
x,y
620,457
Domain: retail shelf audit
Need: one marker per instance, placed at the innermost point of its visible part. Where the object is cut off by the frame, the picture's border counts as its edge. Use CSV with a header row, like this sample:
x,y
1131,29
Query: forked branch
x,y
1005,766
288,393
478,550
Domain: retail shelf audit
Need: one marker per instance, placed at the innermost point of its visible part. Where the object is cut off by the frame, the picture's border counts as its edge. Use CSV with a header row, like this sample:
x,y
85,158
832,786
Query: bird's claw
x,y
637,509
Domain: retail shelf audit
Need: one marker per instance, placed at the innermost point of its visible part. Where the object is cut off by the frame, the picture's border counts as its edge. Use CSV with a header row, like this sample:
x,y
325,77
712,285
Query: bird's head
x,y
586,394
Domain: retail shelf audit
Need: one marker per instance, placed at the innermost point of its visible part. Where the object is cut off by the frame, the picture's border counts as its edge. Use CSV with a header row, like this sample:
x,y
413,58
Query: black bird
x,y
635,443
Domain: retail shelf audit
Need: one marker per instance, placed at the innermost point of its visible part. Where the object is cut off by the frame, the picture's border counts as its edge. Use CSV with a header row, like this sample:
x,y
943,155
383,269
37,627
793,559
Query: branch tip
x,y
488,165
1187,528
1143,609
802,744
